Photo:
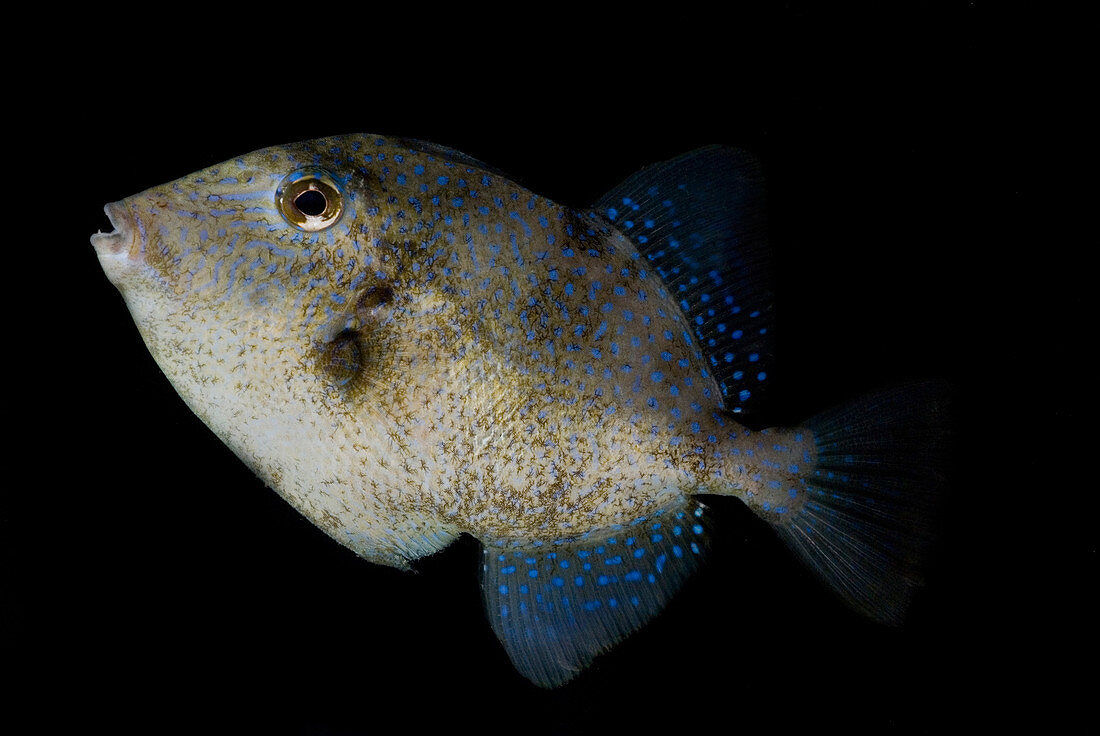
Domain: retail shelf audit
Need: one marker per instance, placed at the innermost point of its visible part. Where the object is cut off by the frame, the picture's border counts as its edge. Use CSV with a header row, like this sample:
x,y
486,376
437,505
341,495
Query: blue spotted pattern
x,y
539,377
556,606
709,246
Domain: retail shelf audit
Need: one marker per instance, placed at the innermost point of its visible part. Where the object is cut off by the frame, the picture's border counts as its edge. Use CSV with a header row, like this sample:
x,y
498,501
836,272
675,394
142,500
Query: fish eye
x,y
310,200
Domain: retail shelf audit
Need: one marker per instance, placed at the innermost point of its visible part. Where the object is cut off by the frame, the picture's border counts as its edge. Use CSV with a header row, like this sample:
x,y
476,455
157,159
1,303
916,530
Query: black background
x,y
920,166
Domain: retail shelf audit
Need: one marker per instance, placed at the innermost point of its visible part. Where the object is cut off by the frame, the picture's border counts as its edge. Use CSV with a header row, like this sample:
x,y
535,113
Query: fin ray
x,y
557,606
866,525
699,220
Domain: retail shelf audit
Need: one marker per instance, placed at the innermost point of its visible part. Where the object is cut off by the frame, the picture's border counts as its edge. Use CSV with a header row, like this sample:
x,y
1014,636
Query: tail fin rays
x,y
866,524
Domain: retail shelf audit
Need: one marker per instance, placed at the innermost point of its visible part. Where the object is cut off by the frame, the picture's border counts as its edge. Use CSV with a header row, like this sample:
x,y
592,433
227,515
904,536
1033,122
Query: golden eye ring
x,y
310,200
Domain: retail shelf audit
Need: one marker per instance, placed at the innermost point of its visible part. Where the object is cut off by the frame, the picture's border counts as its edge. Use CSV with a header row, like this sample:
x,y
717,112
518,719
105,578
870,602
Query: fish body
x,y
408,346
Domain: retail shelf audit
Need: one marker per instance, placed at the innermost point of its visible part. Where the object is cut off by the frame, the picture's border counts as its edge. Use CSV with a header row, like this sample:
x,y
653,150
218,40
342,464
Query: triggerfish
x,y
408,346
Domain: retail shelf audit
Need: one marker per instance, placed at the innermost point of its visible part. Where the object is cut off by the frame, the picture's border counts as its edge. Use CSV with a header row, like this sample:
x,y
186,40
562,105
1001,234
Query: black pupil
x,y
311,203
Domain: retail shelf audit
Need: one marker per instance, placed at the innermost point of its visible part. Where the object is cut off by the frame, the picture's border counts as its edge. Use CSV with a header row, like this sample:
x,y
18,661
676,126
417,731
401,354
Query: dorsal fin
x,y
699,219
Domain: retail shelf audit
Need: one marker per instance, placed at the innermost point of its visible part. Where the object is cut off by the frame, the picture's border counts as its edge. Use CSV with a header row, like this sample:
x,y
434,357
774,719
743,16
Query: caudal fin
x,y
867,523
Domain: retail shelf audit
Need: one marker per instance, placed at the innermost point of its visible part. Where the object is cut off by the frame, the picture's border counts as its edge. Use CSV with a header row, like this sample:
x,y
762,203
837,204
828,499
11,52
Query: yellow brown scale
x,y
378,372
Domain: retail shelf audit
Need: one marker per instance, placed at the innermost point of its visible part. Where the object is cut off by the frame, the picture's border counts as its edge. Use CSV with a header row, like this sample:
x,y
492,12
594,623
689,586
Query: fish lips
x,y
116,249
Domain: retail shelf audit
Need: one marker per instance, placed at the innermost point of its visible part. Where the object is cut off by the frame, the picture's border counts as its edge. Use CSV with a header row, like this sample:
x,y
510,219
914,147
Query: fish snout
x,y
119,251
119,241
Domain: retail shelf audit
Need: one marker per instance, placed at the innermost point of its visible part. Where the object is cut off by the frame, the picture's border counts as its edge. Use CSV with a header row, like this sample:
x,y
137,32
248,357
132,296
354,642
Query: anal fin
x,y
556,606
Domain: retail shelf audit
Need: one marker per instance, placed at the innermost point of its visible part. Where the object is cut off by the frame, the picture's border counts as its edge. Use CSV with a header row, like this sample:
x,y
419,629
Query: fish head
x,y
265,237
257,288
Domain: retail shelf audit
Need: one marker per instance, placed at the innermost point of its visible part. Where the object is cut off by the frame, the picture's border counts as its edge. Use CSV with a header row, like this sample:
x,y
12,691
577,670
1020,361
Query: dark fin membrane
x,y
868,520
700,220
556,606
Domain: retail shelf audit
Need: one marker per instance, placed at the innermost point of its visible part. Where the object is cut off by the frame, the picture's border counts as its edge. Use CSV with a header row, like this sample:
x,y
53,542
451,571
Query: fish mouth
x,y
119,241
